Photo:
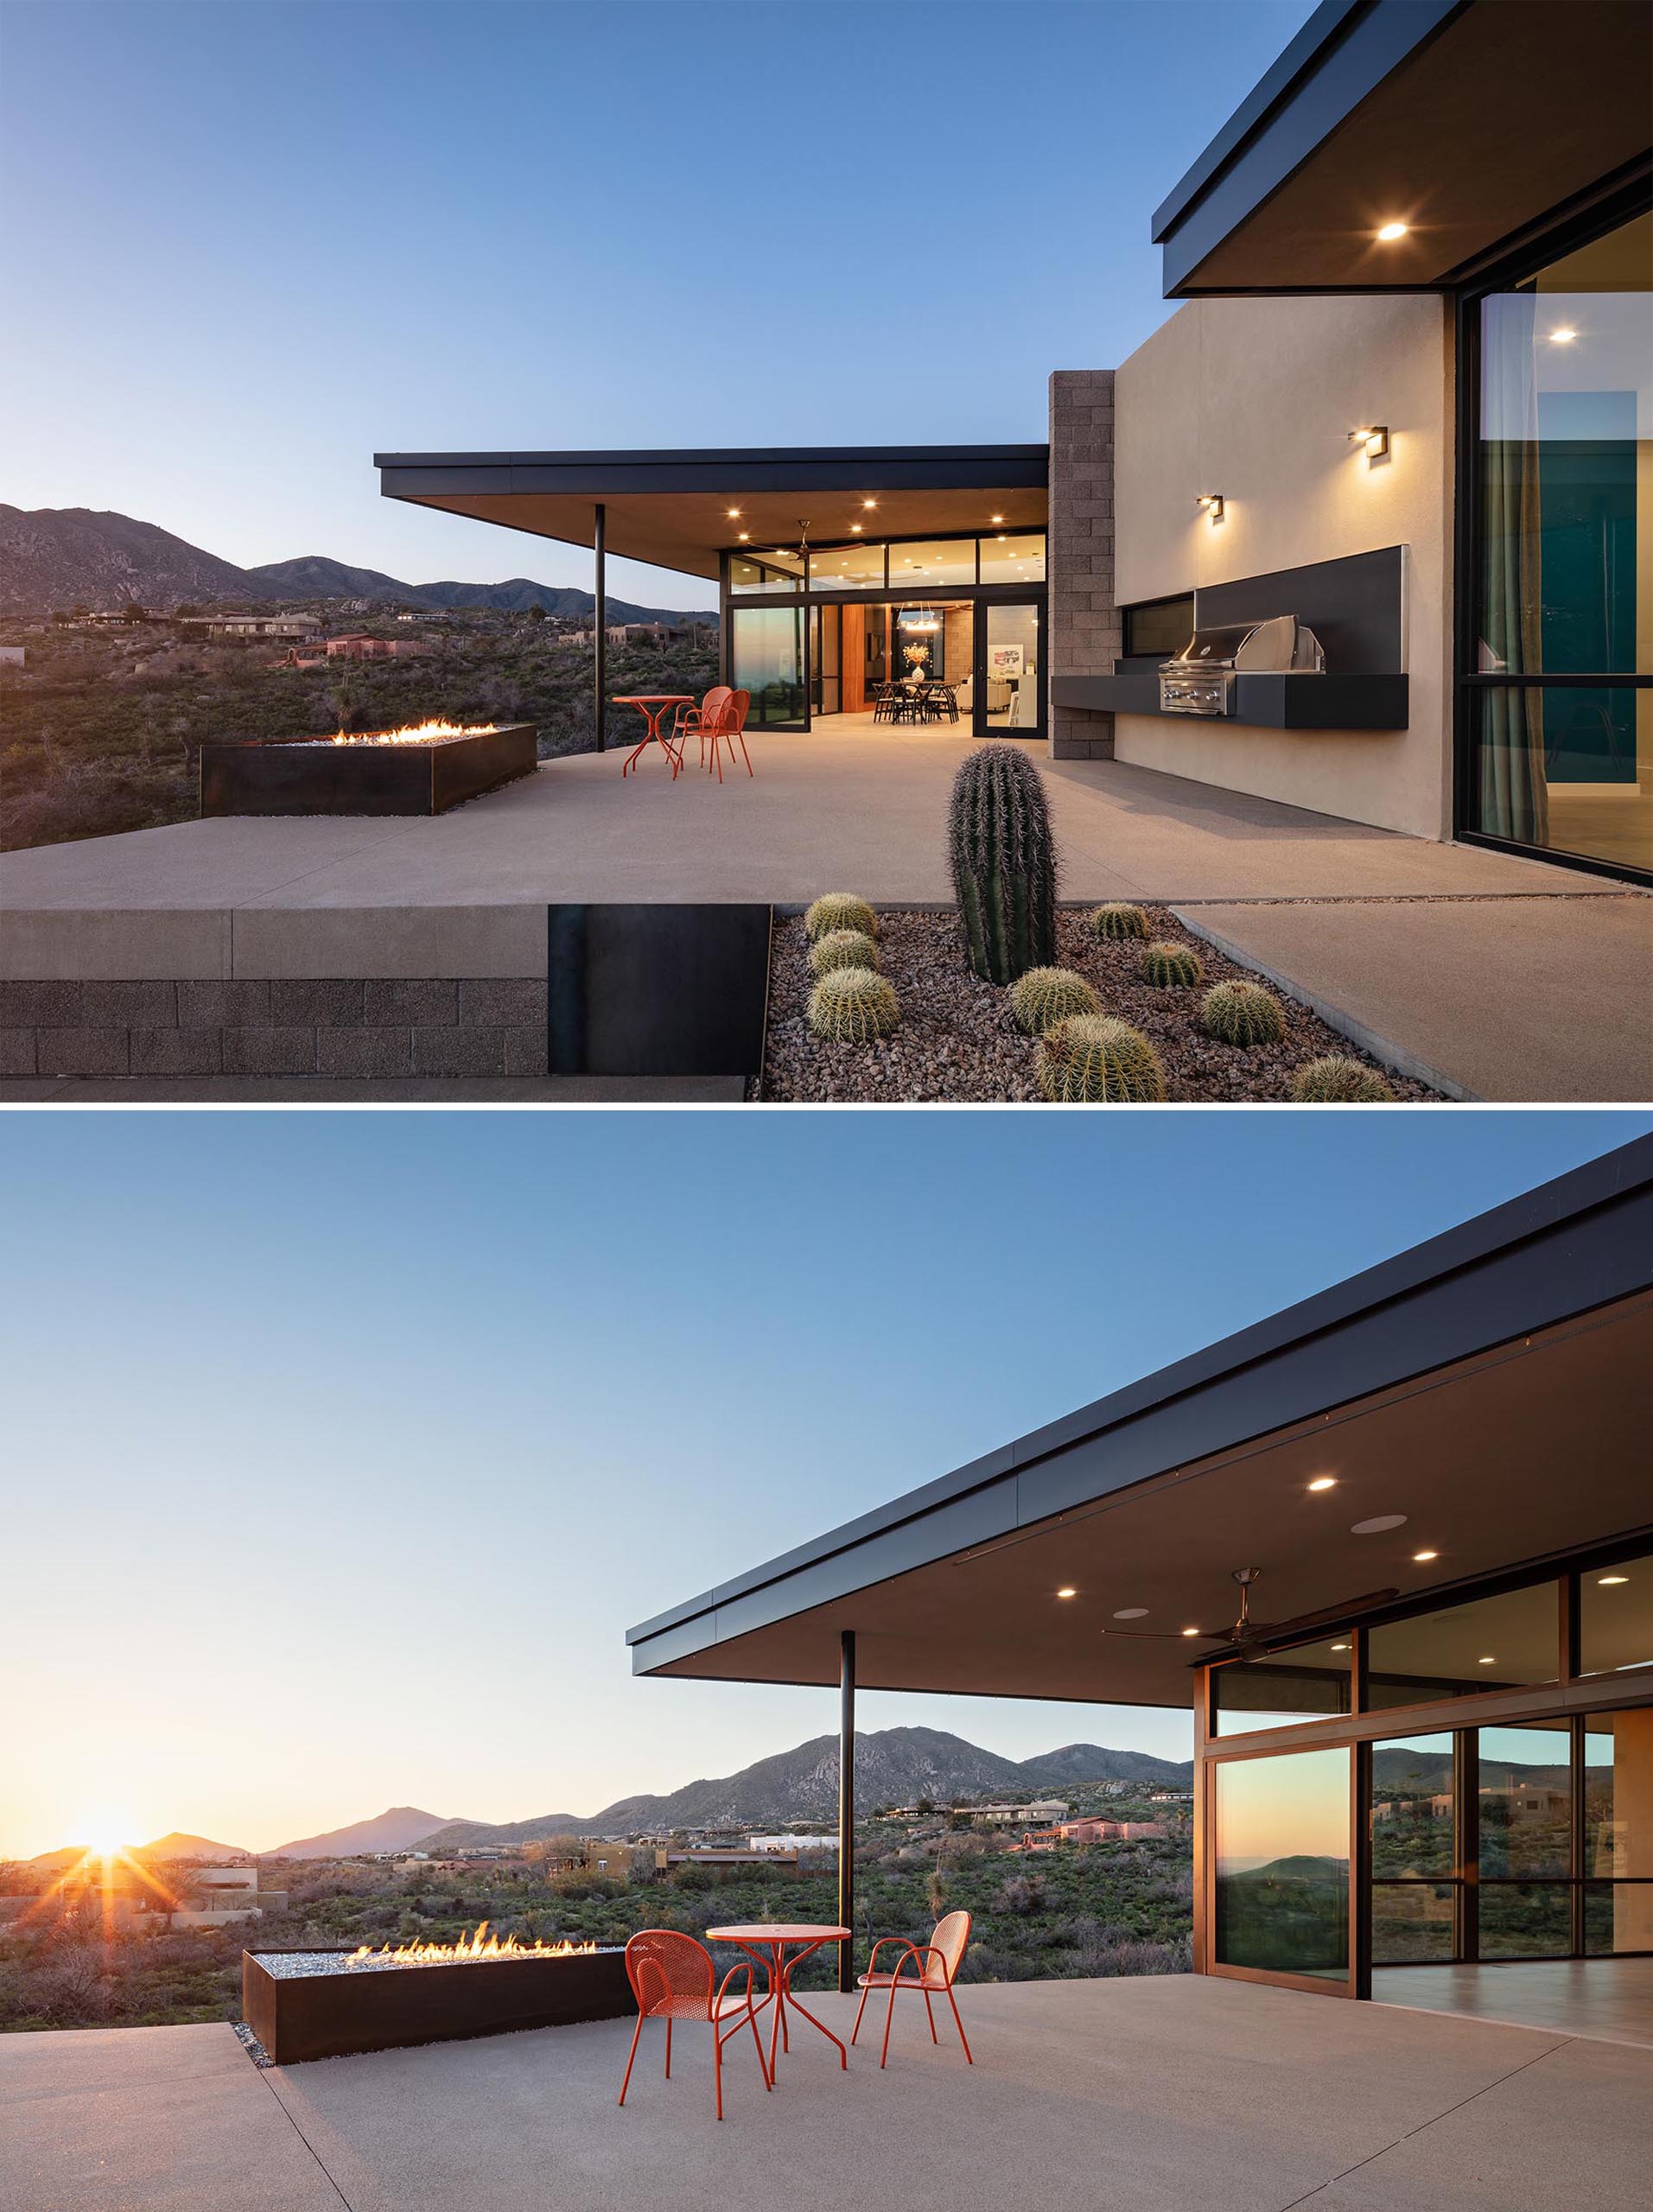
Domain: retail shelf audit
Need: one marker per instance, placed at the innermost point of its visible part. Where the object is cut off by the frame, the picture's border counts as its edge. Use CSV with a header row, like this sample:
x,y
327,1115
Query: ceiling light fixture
x,y
869,503
1419,1557
1379,1525
1324,1482
734,514
1606,1581
1487,1661
1564,336
1390,232
745,535
996,518
1191,1631
1340,1647
855,530
1067,1591
1131,1613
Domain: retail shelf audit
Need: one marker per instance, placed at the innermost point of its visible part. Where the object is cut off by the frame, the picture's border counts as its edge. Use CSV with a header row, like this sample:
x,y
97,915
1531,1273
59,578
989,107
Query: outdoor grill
x,y
1200,680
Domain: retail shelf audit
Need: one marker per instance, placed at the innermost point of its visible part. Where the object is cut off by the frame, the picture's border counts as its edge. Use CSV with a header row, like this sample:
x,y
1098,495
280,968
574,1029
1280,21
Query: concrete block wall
x,y
1084,626
360,1027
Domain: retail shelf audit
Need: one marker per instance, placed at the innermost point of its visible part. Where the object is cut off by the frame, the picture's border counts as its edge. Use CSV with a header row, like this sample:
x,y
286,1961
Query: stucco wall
x,y
1254,399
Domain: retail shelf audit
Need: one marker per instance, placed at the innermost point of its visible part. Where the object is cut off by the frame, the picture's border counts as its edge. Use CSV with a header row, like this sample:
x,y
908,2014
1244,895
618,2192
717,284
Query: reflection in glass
x,y
1309,1680
1618,1917
1162,629
766,659
1616,1613
858,566
933,560
1618,1830
1283,1863
1413,1921
1413,1795
1490,1643
747,576
1008,559
1526,1920
1526,1800
1562,515
1013,669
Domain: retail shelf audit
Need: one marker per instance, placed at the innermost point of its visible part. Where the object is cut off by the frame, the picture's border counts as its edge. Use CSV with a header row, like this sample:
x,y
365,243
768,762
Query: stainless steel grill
x,y
1200,680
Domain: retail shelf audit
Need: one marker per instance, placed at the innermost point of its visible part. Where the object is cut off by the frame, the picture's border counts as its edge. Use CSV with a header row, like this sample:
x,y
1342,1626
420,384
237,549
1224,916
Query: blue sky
x,y
347,1446
246,245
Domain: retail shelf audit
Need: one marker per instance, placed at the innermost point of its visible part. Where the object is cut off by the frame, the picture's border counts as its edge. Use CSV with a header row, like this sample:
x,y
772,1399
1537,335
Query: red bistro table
x,y
775,1938
652,705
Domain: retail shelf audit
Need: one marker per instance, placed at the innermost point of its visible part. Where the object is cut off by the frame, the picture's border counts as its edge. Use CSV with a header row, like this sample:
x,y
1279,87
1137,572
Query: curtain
x,y
1514,795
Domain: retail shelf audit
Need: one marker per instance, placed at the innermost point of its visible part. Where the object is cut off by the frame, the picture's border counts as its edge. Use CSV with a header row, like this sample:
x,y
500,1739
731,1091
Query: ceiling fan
x,y
1249,1639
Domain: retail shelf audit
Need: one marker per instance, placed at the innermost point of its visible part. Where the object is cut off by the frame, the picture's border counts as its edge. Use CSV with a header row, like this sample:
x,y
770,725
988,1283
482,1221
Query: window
x,y
1282,1864
1490,1643
935,561
1619,1832
1160,627
1013,558
1616,1617
847,568
747,575
1414,1850
1306,1682
766,659
1560,509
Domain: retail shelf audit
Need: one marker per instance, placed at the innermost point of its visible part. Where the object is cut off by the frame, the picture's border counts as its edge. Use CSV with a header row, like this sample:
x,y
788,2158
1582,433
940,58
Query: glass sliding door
x,y
1011,702
1281,1865
767,659
1415,1889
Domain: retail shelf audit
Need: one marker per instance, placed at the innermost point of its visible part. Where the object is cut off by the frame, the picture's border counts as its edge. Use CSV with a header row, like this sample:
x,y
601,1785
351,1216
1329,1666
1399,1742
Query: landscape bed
x,y
957,1039
302,2005
372,772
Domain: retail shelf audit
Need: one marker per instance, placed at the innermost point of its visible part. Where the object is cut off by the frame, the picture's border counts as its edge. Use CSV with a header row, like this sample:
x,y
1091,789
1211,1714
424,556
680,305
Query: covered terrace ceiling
x,y
1466,120
672,510
1501,1449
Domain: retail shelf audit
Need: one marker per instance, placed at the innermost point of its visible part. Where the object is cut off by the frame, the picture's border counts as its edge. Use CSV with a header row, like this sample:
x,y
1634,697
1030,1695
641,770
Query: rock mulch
x,y
958,1041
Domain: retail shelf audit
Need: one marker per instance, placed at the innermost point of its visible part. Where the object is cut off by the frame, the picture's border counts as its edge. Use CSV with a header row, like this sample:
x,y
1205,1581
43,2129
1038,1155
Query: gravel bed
x,y
958,1039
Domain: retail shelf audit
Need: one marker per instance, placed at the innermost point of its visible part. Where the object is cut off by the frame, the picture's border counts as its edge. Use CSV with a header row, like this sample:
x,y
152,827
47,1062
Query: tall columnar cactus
x,y
1044,996
1117,920
843,949
1170,966
1003,863
1093,1057
850,1005
839,910
1242,1013
1339,1081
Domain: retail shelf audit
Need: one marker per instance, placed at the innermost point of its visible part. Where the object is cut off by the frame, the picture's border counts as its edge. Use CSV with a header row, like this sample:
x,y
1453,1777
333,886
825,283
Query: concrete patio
x,y
1503,978
1152,2095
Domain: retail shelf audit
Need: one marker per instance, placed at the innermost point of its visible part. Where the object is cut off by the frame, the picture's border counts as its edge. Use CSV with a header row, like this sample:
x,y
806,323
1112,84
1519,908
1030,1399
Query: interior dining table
x,y
652,705
776,1939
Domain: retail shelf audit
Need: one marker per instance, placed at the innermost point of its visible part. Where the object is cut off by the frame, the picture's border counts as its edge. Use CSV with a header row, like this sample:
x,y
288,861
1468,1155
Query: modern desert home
x,y
1408,401
1394,1550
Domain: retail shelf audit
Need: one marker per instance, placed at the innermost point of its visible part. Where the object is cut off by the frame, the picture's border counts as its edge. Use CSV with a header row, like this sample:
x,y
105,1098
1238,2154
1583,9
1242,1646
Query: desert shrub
x,y
1117,920
1094,1057
839,910
850,1005
1044,996
1337,1080
843,949
1003,863
1169,966
1244,1014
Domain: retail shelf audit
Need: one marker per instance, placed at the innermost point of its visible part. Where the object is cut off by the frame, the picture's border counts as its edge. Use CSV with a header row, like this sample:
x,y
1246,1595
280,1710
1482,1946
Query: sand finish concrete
x,y
1155,2096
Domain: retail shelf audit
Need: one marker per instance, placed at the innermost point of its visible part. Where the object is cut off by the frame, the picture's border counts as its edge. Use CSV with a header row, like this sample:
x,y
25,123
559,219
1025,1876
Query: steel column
x,y
600,616
846,1804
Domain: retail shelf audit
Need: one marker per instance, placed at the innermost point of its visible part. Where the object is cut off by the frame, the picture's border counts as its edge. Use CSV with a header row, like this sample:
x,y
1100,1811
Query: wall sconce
x,y
1375,440
1212,503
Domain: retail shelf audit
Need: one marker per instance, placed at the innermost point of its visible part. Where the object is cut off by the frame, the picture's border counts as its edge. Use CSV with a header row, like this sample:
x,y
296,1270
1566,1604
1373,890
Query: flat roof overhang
x,y
1469,120
672,509
1491,1385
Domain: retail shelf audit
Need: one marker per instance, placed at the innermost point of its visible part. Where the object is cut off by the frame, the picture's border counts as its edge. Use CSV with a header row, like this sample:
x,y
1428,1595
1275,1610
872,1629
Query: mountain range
x,y
172,1846
54,557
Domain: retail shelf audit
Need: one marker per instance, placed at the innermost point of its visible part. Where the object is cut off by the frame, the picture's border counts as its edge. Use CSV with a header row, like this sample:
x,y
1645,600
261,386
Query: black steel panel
x,y
1260,702
672,990
1355,607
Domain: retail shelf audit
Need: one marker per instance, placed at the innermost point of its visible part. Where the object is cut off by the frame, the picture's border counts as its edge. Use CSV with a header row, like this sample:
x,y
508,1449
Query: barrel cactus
x,y
1337,1080
1169,966
1003,863
1244,1014
839,910
1117,920
843,949
1092,1055
850,1006
1044,996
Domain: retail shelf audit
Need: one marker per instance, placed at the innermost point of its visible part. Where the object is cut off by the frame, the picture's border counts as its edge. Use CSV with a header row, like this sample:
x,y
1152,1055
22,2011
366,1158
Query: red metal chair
x,y
673,1977
935,1967
730,727
699,721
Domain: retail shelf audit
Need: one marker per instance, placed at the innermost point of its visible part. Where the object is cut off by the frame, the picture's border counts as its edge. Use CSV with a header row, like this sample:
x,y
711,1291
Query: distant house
x,y
364,648
13,656
251,625
1036,1813
700,1855
227,1893
1093,1831
794,1844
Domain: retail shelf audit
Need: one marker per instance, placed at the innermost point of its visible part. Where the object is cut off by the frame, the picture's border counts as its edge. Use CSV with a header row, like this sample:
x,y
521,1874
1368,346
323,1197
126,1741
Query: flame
x,y
481,1945
411,734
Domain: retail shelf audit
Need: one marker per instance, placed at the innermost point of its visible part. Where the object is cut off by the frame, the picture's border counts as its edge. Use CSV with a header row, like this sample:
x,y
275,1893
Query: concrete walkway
x,y
1155,2095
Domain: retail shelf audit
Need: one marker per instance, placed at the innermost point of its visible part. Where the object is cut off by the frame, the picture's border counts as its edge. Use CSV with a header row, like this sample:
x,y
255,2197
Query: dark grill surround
x,y
344,1027
264,775
328,2015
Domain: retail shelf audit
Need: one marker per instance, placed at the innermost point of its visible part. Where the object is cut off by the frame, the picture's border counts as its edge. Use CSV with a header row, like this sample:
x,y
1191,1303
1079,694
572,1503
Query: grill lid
x,y
1280,642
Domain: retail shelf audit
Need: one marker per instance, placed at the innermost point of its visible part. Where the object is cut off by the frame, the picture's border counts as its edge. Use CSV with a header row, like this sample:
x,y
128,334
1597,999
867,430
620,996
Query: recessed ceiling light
x,y
1339,1647
1420,1556
1131,1613
1067,1591
734,514
869,503
855,530
995,517
1191,1631
1378,1525
1390,232
1607,1581
745,534
1487,1661
1324,1482
1564,336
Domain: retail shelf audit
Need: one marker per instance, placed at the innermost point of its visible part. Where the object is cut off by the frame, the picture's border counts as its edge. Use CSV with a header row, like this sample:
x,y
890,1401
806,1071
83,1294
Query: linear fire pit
x,y
421,770
319,2004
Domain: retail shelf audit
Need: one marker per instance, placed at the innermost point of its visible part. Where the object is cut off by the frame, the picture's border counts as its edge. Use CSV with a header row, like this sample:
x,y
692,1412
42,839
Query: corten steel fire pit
x,y
317,2004
425,770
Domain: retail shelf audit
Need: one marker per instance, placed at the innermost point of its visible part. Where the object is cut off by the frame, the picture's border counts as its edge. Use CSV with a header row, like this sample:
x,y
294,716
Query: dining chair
x,y
693,720
936,1967
674,1978
730,727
